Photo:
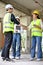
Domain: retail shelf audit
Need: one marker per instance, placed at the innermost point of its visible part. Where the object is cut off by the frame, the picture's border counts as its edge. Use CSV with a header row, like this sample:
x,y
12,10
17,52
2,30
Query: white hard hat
x,y
8,6
17,17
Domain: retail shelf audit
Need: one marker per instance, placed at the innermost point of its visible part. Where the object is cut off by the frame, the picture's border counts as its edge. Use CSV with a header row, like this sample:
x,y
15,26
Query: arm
x,y
37,26
14,20
24,27
27,27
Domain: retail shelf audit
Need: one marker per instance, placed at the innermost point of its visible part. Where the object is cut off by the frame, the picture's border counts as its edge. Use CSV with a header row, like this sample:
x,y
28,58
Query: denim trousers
x,y
16,44
36,40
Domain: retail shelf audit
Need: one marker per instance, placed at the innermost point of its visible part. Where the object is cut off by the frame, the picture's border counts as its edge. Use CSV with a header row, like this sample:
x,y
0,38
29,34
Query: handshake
x,y
27,27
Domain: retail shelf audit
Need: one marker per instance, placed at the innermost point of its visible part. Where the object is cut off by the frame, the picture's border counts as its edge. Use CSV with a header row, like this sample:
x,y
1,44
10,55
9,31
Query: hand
x,y
37,26
24,27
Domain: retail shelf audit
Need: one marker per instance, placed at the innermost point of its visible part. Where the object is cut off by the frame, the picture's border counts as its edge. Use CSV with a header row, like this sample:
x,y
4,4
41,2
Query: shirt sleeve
x,y
13,19
41,25
30,26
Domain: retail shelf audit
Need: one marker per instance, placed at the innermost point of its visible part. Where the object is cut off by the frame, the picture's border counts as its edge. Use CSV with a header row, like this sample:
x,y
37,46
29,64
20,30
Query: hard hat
x,y
36,12
8,6
17,17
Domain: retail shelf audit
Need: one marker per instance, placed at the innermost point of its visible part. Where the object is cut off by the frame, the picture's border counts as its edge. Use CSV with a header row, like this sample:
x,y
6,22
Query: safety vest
x,y
8,25
36,31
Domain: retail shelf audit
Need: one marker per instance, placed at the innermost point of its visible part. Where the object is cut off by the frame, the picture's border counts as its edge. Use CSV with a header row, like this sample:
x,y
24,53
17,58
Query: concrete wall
x,y
2,10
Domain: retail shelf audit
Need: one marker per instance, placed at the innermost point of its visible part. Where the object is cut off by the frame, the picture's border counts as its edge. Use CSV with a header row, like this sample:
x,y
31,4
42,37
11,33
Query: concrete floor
x,y
24,60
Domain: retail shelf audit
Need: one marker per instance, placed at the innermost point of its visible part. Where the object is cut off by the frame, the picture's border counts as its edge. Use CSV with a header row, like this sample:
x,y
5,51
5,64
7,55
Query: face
x,y
10,10
34,16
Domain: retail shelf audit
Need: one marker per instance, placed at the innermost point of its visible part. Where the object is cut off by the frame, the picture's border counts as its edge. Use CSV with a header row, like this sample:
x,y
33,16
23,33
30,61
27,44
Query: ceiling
x,y
31,4
26,6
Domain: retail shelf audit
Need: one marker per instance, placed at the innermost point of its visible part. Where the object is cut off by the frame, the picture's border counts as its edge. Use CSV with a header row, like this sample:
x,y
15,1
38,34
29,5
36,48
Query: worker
x,y
8,28
36,33
16,44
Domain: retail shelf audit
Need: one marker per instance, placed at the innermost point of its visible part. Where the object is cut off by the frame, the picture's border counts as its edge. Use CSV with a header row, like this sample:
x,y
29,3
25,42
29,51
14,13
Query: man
x,y
16,44
8,28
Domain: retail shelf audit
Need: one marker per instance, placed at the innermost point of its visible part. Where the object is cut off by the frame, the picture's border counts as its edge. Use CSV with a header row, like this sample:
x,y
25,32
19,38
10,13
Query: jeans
x,y
16,44
7,44
36,39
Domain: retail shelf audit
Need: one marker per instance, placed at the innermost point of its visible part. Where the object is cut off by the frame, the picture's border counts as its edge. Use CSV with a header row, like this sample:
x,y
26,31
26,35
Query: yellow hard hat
x,y
36,12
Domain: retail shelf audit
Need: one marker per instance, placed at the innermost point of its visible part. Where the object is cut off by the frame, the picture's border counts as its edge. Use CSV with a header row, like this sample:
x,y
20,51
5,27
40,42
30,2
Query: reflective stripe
x,y
36,31
8,27
7,23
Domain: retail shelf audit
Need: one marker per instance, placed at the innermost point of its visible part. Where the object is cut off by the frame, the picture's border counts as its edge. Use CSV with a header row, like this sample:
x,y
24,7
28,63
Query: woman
x,y
36,33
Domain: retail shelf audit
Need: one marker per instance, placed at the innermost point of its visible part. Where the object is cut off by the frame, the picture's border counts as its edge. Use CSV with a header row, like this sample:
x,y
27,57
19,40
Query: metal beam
x,y
18,6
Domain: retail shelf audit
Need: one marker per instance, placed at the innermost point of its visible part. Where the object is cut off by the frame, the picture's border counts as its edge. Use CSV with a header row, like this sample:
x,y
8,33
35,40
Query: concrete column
x,y
26,21
28,35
